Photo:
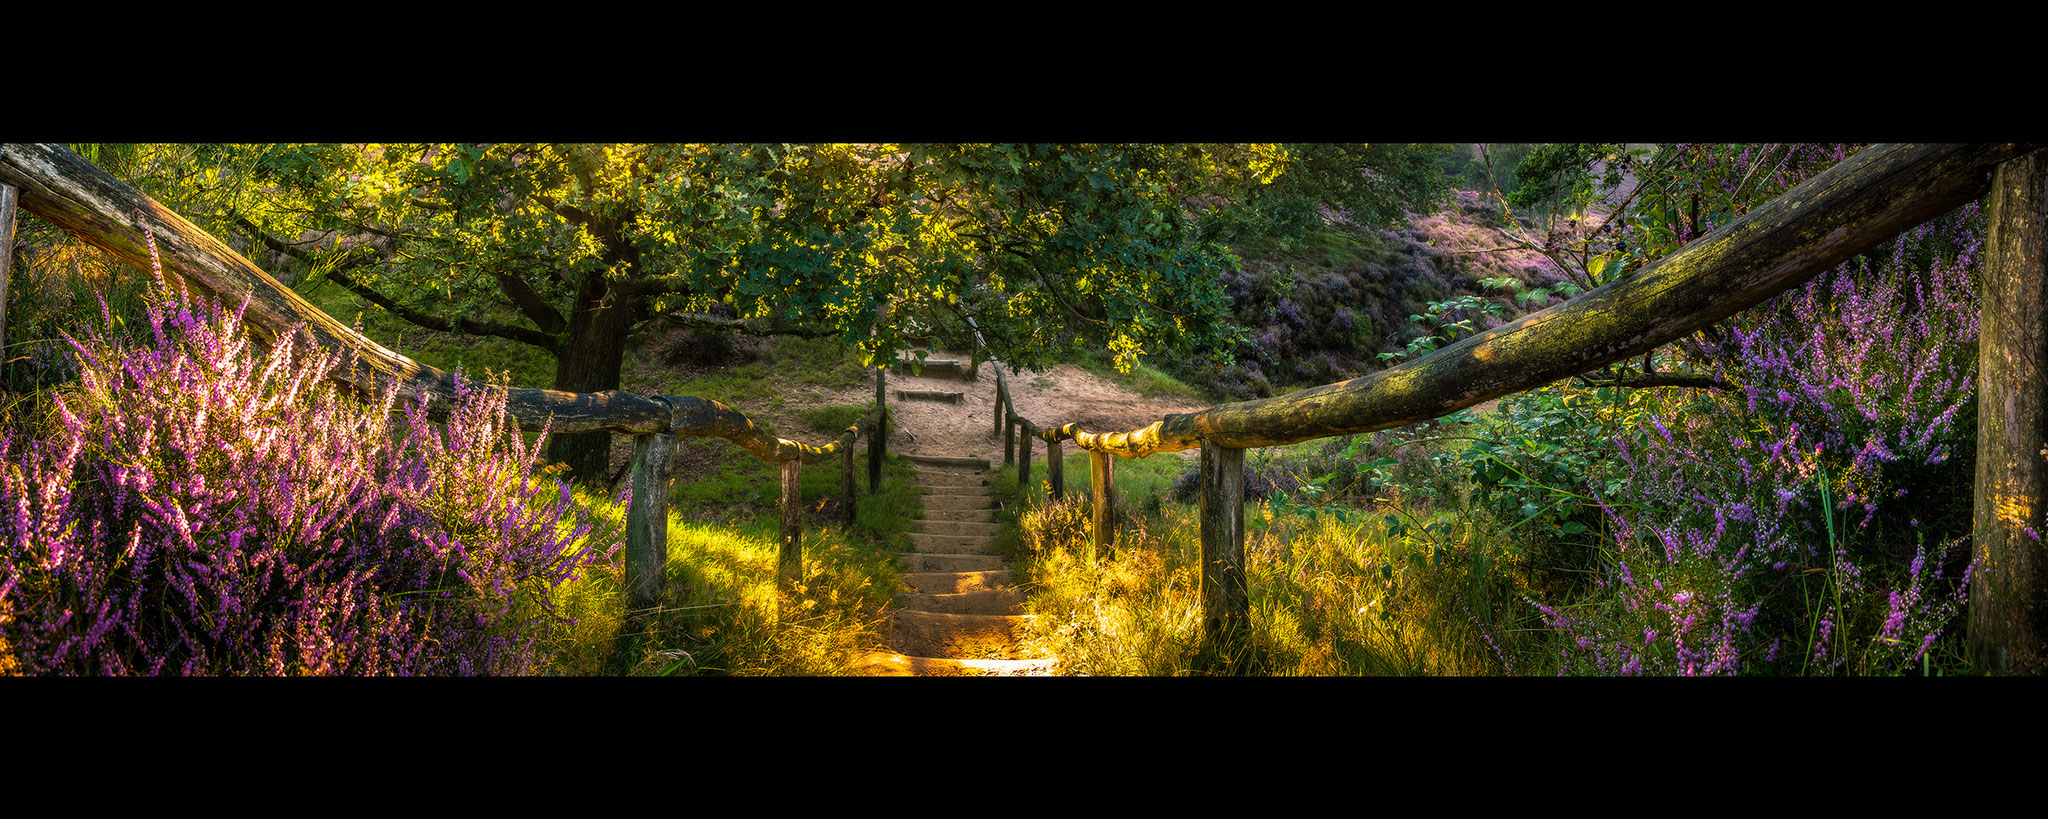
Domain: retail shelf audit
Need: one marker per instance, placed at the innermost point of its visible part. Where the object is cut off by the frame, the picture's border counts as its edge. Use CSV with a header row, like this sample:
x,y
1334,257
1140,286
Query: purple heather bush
x,y
196,507
1815,519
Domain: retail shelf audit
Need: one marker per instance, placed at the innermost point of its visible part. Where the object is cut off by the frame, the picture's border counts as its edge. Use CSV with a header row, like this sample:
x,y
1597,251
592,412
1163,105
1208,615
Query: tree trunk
x,y
592,362
2008,612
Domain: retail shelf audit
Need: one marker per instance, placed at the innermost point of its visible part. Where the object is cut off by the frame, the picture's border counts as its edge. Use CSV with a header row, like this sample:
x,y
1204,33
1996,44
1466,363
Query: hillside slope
x,y
1323,310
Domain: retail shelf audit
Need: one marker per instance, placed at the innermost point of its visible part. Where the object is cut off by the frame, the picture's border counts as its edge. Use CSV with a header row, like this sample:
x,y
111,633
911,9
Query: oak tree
x,y
570,248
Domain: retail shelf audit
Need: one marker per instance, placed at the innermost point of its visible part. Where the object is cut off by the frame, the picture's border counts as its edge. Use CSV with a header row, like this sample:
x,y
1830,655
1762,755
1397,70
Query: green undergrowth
x,y
720,614
1403,585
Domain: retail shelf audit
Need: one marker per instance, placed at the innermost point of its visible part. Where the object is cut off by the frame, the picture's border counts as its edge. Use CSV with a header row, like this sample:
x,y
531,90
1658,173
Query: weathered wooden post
x,y
1104,488
647,519
1009,423
1226,605
8,196
789,560
2008,610
878,437
1024,460
846,499
1002,400
1010,439
1055,469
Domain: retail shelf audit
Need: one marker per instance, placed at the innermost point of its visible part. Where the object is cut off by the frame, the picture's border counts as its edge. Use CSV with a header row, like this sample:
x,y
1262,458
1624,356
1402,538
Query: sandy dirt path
x,y
1066,394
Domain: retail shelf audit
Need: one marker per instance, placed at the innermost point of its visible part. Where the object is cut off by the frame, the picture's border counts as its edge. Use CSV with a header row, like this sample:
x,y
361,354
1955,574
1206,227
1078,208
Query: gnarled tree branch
x,y
363,257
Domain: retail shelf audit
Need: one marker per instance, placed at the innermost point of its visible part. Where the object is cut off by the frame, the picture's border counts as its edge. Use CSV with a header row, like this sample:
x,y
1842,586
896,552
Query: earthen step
x,y
949,544
958,582
930,395
976,491
958,636
983,515
986,601
948,460
883,664
934,368
935,477
955,527
919,563
955,501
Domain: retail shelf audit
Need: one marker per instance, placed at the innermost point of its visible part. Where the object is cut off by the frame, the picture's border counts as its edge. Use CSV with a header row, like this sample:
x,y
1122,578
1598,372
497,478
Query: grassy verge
x,y
1401,588
720,613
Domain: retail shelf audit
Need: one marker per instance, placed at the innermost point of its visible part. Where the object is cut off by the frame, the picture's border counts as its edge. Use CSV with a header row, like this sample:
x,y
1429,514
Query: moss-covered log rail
x,y
1873,196
66,190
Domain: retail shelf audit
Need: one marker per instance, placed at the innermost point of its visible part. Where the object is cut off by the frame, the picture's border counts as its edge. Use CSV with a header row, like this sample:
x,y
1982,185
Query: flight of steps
x,y
937,368
958,614
940,368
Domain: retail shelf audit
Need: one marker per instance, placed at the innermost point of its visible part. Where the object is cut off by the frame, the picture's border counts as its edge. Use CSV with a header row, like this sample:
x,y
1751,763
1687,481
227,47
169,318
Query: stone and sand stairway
x,y
957,614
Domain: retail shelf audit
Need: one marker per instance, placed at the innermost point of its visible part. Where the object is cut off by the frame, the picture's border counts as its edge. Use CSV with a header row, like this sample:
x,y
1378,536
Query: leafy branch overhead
x,y
571,248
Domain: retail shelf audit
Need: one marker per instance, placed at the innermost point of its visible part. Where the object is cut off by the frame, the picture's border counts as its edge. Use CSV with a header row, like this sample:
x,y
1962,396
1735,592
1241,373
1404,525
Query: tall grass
x,y
1328,597
720,613
1331,593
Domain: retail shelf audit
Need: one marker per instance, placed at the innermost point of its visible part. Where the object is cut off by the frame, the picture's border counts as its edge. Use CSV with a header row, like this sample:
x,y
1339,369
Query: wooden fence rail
x,y
66,190
1873,196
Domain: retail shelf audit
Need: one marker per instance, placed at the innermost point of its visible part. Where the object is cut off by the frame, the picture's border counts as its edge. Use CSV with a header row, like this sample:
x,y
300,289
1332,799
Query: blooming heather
x,y
1811,516
193,506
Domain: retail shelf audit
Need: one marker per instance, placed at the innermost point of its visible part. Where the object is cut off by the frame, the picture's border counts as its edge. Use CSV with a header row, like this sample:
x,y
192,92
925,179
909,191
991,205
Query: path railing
x,y
1869,198
64,189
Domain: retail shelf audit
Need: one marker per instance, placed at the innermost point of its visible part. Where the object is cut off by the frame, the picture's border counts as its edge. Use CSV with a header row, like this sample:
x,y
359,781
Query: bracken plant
x,y
191,506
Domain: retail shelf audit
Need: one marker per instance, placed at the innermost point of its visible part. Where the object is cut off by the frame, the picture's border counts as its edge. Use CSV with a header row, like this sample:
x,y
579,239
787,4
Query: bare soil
x,y
1066,395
